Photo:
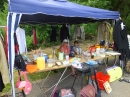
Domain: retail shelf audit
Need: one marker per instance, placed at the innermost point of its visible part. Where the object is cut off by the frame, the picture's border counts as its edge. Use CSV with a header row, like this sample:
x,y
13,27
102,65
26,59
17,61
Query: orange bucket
x,y
101,78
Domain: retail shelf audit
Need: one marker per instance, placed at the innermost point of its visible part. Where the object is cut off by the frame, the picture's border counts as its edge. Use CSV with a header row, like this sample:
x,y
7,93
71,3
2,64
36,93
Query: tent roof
x,y
58,11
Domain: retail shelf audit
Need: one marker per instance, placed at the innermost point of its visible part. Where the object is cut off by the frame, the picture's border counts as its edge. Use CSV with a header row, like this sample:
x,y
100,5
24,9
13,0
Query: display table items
x,y
40,65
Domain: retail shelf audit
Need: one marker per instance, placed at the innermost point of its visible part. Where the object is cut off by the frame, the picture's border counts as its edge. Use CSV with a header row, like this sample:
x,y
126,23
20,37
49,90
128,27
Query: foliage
x,y
3,17
2,7
116,5
127,21
43,36
123,7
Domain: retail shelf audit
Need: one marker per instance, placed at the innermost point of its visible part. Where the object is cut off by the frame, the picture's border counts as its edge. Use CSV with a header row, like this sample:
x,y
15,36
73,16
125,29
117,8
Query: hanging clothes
x,y
104,32
34,37
21,40
121,40
3,65
78,33
2,86
53,34
68,26
82,33
64,33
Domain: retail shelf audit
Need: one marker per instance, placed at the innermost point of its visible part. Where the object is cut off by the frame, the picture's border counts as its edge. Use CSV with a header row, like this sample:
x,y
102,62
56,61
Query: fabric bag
x,y
66,93
88,91
91,90
25,85
19,62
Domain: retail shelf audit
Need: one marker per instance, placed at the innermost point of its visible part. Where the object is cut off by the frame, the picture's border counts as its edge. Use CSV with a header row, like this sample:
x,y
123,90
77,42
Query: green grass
x,y
32,77
39,75
6,89
42,75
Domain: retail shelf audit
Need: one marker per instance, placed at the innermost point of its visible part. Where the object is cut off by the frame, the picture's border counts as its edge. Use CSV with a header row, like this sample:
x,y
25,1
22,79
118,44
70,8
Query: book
x,y
107,87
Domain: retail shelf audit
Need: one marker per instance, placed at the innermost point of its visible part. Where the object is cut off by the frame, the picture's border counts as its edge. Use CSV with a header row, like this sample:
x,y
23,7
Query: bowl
x,y
50,62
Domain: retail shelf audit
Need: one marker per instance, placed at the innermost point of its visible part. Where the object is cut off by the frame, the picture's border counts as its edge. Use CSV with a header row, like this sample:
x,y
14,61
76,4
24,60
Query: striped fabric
x,y
12,23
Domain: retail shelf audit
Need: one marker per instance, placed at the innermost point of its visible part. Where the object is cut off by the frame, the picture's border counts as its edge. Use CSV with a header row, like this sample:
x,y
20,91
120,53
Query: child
x,y
76,48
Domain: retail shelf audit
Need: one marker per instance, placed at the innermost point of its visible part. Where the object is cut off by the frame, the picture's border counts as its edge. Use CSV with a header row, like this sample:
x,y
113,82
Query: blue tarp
x,y
58,11
48,11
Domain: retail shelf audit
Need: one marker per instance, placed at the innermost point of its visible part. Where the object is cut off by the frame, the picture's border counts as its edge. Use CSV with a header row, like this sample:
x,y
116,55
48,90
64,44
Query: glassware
x,y
54,54
77,51
67,57
35,56
80,50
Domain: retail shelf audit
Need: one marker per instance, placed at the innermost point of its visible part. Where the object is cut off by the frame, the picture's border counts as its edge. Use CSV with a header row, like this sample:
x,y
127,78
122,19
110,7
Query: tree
x,y
2,7
3,15
122,6
115,5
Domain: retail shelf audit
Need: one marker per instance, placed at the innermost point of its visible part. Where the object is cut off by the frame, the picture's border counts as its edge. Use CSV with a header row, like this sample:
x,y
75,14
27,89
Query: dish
x,y
58,63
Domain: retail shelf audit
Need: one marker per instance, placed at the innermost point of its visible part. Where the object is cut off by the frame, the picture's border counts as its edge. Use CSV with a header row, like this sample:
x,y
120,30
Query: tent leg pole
x,y
13,88
22,90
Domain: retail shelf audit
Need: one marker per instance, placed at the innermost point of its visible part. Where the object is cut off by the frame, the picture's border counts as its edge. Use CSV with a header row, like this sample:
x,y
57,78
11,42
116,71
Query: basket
x,y
101,78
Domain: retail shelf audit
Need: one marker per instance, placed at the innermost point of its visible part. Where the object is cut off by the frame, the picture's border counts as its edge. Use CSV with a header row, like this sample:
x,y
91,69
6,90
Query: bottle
x,y
106,44
92,55
80,50
67,57
54,55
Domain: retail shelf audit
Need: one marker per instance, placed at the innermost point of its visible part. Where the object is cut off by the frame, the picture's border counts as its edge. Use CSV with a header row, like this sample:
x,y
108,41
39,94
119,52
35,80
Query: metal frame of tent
x,y
19,12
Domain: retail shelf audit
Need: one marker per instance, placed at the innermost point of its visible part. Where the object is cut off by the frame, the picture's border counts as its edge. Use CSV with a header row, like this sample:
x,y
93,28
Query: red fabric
x,y
66,50
34,37
16,49
6,42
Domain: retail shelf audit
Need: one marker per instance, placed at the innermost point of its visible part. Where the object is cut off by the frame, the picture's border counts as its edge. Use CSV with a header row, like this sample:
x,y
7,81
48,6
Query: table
x,y
87,71
66,66
50,69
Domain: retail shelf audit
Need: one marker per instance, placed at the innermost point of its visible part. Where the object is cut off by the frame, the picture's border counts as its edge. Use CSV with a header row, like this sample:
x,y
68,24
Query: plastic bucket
x,y
101,78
